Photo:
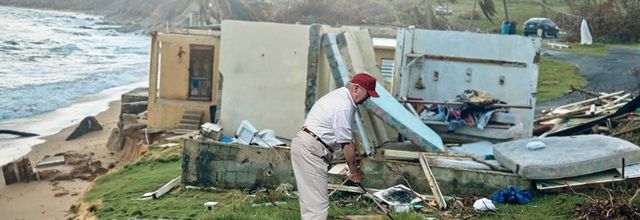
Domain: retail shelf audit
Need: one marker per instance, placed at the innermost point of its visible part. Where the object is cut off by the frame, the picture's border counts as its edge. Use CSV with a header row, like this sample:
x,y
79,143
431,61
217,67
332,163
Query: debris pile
x,y
579,117
626,126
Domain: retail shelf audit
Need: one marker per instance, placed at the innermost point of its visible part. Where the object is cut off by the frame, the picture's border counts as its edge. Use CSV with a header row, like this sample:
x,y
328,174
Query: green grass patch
x,y
556,77
541,207
596,49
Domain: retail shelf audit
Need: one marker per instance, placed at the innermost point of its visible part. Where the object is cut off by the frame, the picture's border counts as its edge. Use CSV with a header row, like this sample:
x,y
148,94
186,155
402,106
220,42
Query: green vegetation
x,y
519,11
556,77
118,192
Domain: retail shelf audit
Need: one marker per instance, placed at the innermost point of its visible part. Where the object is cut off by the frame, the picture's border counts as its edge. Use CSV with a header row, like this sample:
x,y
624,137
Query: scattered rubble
x,y
614,205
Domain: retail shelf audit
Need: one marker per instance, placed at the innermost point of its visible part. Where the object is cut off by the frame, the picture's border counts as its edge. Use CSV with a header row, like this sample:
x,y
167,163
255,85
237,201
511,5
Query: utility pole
x,y
506,14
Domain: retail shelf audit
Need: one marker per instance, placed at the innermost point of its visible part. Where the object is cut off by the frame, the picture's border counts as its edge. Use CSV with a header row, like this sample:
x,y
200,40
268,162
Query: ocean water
x,y
58,67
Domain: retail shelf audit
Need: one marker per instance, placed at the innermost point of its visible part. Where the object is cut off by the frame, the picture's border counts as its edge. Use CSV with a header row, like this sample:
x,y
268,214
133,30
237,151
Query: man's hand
x,y
350,156
355,176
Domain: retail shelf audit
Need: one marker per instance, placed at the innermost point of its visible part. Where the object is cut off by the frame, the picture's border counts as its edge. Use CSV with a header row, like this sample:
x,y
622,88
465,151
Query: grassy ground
x,y
596,49
118,192
556,77
556,206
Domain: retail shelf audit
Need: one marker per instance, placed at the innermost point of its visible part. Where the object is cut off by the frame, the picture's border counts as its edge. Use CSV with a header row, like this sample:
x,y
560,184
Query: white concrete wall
x,y
264,69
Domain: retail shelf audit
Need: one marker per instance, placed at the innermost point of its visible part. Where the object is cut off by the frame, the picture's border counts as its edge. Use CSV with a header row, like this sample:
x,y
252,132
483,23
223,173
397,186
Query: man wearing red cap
x,y
327,128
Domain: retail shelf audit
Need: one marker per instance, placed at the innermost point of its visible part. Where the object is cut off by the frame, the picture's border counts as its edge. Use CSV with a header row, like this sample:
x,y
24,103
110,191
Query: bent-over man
x,y
326,129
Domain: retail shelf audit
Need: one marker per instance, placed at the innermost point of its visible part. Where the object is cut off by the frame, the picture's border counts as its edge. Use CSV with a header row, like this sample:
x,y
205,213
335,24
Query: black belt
x,y
317,138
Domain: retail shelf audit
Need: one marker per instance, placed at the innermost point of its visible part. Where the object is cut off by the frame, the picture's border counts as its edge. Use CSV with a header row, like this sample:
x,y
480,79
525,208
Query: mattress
x,y
566,156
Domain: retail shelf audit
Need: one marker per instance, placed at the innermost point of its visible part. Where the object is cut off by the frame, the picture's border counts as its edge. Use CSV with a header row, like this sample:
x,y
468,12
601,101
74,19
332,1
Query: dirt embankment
x,y
132,14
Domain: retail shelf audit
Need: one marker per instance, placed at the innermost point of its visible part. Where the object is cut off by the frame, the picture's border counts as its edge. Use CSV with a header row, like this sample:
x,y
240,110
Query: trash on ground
x,y
397,195
484,204
162,190
511,195
210,205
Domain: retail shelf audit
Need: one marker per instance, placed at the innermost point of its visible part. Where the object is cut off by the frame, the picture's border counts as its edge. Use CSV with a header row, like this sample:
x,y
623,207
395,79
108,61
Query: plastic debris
x,y
484,204
511,195
210,205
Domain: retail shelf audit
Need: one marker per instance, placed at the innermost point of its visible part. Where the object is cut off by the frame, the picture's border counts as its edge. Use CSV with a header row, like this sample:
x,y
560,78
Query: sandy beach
x,y
38,199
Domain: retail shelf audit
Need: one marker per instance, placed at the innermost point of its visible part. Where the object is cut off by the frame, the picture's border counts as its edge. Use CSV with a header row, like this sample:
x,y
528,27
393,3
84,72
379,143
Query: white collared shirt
x,y
330,118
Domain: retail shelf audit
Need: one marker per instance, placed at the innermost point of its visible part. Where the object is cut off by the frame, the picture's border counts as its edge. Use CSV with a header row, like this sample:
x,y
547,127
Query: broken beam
x,y
435,189
462,103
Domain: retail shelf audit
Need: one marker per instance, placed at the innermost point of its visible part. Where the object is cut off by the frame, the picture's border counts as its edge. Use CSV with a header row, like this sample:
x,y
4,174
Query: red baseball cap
x,y
367,82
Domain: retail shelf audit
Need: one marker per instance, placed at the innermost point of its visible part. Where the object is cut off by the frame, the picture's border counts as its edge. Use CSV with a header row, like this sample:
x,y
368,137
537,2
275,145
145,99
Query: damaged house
x,y
268,86
183,79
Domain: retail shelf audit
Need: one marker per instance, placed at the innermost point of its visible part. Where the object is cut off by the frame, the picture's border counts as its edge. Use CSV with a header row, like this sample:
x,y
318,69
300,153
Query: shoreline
x,y
51,123
51,199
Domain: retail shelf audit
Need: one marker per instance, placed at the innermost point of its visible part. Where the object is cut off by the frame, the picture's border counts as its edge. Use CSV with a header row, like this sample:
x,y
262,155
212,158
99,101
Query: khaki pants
x,y
311,176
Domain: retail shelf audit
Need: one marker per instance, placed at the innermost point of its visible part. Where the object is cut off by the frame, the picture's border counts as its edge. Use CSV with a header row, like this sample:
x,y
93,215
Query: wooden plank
x,y
400,154
341,184
162,190
610,108
435,189
566,114
594,94
591,100
621,98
